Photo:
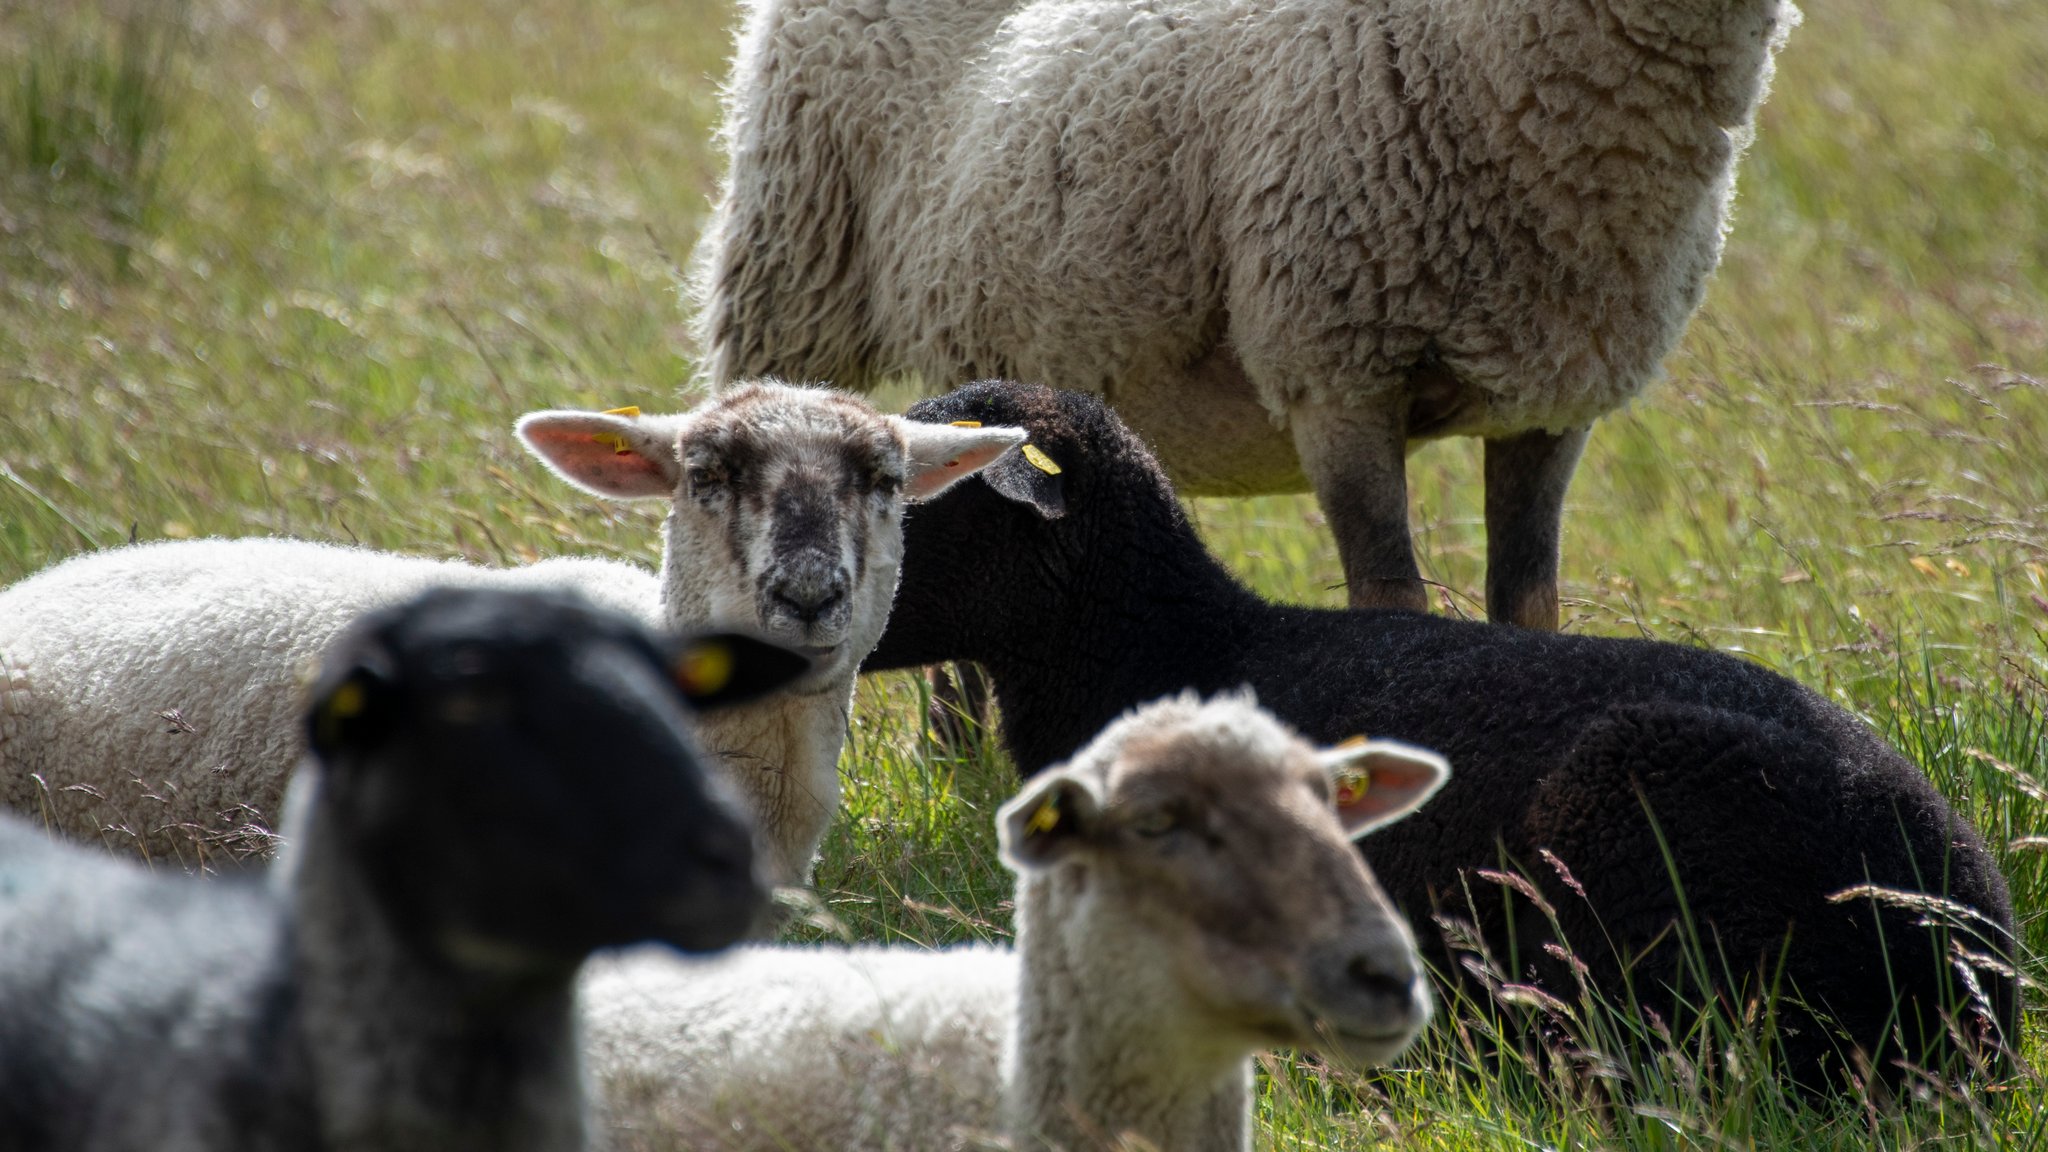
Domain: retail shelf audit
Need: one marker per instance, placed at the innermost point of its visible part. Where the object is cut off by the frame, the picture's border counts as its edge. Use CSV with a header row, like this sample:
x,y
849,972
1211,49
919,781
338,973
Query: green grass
x,y
272,267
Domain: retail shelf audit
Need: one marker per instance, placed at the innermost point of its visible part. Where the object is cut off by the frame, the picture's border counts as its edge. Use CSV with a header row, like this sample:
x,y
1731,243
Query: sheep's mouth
x,y
1357,1042
827,669
1363,1045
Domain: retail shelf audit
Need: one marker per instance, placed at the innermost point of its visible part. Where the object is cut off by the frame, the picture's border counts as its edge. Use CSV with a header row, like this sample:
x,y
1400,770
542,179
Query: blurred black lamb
x,y
499,783
1086,592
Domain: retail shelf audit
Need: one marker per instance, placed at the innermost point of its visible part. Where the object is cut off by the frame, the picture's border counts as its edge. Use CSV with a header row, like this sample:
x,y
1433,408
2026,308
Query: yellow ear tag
x,y
345,701
704,668
1045,819
966,424
1352,787
1040,460
618,443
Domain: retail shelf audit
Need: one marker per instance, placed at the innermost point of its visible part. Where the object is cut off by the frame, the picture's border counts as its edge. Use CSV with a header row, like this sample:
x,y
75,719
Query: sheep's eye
x,y
702,477
1153,824
885,483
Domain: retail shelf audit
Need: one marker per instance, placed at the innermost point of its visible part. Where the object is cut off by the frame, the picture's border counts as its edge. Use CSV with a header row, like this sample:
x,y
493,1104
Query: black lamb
x,y
499,784
1086,592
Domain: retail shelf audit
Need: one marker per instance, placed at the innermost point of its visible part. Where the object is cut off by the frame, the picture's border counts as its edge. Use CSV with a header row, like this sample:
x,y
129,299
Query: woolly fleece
x,y
1769,797
150,695
1204,208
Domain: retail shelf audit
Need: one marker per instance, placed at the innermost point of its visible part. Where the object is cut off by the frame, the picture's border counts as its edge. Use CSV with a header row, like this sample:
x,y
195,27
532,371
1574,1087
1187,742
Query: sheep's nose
x,y
1383,979
807,599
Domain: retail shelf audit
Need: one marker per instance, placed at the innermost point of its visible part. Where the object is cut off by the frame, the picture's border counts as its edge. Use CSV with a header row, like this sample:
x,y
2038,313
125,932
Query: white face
x,y
786,507
1221,862
788,521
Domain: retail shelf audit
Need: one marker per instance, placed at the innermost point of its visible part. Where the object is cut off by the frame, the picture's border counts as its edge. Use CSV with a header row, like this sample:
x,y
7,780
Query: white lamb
x,y
149,695
1285,238
1187,894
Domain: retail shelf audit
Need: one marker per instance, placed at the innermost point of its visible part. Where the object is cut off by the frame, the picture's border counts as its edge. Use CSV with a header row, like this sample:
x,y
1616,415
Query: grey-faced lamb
x,y
785,514
1286,240
1768,798
405,978
1187,894
149,695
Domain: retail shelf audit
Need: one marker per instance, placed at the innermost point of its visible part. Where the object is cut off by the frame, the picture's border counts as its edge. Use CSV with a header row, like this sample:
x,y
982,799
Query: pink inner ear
x,y
973,452
601,461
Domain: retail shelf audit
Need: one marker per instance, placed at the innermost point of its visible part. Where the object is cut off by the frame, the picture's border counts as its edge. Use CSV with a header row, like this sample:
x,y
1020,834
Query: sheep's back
x,y
151,696
770,1048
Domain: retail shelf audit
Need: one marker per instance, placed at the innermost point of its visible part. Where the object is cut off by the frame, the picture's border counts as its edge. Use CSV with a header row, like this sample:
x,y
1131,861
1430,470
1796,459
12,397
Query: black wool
x,y
1087,592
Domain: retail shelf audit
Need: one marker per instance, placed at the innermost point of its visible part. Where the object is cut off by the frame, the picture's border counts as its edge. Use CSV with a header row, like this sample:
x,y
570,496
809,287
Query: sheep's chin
x,y
829,672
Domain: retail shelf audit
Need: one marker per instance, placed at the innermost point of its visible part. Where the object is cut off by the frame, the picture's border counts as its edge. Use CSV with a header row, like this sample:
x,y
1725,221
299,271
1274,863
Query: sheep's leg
x,y
1356,459
1526,478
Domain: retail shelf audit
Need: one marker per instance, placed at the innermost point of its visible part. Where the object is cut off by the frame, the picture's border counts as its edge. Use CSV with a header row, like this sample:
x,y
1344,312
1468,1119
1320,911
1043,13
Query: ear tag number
x,y
1045,819
966,424
1040,460
704,668
616,443
630,412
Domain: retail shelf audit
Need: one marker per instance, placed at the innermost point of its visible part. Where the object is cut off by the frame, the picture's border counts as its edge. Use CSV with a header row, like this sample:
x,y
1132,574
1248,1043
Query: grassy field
x,y
276,267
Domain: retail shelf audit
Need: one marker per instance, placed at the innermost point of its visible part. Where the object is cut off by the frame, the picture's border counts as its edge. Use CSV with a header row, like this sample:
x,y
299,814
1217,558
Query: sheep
x,y
785,514
1186,896
148,694
1287,240
1770,800
404,979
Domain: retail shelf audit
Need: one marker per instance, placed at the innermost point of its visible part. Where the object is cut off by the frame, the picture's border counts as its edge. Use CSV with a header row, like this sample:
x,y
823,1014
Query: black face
x,y
517,773
958,548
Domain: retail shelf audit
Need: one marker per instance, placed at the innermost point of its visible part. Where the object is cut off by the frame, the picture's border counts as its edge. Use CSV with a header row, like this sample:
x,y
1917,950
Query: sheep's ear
x,y
352,710
1047,821
1030,476
1379,781
717,669
618,454
940,454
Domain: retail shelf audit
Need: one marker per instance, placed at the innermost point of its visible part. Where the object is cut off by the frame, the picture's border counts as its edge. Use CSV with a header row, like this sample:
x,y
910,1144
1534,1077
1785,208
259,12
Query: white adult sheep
x,y
1285,239
149,695
1187,895
406,980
